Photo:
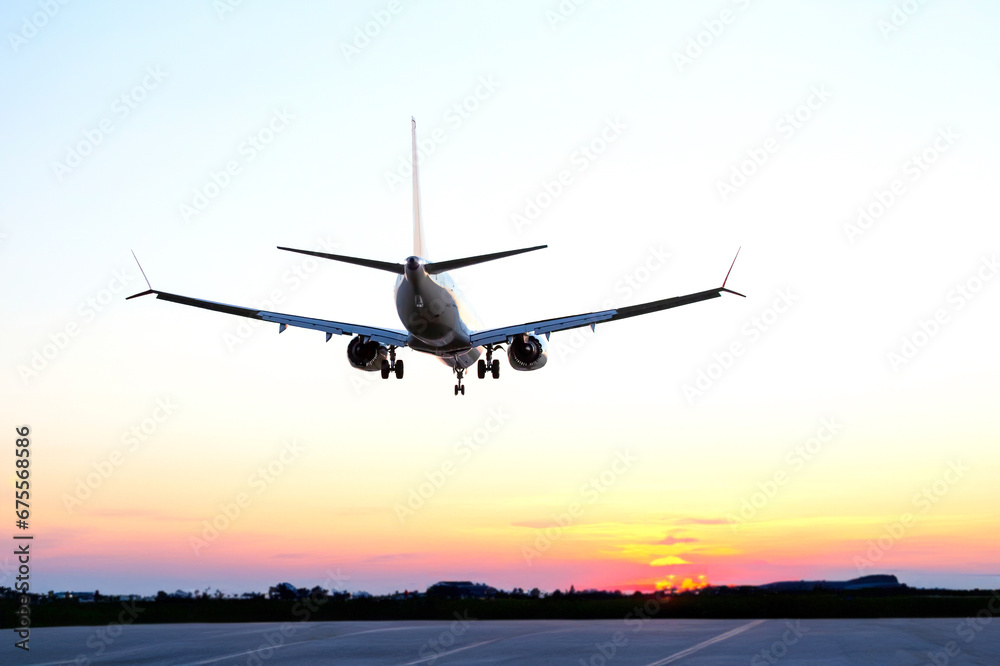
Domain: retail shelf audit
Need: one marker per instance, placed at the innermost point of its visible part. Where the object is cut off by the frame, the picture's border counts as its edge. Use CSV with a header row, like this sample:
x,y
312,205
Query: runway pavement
x,y
646,642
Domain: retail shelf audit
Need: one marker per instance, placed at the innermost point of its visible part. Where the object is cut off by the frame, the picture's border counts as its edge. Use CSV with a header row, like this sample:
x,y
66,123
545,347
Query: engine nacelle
x,y
527,352
366,355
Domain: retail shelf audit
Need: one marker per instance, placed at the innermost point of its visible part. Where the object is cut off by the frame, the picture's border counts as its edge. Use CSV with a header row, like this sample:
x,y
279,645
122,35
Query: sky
x,y
839,421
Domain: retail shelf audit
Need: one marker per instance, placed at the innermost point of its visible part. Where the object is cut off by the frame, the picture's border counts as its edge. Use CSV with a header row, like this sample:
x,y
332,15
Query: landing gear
x,y
392,365
489,365
458,387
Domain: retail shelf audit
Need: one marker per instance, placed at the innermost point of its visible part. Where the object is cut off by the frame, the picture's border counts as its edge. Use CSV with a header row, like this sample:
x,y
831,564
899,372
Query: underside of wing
x,y
385,336
547,326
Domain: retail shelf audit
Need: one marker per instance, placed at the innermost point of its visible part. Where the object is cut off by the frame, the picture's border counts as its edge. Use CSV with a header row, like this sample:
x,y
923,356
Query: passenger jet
x,y
435,318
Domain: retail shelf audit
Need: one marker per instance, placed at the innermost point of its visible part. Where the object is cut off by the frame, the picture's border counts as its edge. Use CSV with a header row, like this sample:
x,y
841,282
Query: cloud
x,y
668,561
671,540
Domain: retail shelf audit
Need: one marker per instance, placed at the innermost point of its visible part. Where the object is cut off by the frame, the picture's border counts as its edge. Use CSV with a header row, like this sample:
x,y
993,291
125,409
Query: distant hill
x,y
875,582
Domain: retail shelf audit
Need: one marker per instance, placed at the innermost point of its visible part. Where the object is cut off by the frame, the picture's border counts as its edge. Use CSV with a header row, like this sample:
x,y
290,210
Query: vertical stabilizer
x,y
418,231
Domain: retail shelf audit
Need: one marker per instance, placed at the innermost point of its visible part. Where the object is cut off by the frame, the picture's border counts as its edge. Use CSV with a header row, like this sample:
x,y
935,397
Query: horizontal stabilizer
x,y
441,266
370,263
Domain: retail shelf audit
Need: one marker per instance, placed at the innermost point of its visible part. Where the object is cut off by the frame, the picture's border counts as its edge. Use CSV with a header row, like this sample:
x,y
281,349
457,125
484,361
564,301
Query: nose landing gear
x,y
458,387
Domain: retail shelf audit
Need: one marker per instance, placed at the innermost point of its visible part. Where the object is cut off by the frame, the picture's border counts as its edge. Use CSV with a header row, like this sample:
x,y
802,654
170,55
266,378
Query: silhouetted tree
x,y
284,591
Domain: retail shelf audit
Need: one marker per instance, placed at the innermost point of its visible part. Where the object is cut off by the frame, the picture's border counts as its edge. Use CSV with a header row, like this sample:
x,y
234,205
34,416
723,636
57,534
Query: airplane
x,y
435,316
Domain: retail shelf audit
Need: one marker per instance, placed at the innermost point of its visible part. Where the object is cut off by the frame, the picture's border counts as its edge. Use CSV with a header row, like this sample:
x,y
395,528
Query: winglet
x,y
723,287
150,289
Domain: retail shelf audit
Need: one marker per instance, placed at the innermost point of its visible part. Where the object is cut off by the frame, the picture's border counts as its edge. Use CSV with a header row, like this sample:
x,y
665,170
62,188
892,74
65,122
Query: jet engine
x,y
527,352
366,355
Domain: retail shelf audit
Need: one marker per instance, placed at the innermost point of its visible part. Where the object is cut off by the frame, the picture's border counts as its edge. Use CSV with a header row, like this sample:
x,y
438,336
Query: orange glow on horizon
x,y
686,584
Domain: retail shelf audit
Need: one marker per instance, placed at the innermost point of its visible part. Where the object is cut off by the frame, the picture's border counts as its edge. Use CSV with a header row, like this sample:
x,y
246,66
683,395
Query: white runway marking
x,y
492,640
704,644
283,645
435,657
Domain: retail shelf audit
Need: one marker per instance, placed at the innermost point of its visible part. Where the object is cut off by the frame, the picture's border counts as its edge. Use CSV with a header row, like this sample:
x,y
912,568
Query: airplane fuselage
x,y
435,315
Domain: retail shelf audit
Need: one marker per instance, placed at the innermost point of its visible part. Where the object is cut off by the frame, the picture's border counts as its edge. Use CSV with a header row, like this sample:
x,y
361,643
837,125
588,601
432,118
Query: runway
x,y
645,642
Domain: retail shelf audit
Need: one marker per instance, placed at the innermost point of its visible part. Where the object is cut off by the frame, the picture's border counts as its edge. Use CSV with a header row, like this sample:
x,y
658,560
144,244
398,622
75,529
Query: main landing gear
x,y
392,365
489,365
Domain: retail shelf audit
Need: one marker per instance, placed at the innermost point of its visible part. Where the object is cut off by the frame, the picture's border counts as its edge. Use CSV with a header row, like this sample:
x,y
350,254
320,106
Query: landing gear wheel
x,y
458,386
489,364
399,369
385,369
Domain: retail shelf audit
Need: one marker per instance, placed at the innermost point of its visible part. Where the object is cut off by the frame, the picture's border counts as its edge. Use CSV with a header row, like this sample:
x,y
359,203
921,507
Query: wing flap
x,y
544,327
383,335
498,335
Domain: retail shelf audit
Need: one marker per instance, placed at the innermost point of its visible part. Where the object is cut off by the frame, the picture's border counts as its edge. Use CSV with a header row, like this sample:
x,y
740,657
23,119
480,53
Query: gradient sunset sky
x,y
839,421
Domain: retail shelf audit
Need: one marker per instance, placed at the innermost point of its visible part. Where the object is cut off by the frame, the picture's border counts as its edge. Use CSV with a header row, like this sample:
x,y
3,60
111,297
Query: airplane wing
x,y
385,336
547,326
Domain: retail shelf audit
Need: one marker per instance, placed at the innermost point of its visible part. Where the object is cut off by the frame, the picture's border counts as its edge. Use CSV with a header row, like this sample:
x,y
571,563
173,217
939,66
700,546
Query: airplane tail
x,y
418,231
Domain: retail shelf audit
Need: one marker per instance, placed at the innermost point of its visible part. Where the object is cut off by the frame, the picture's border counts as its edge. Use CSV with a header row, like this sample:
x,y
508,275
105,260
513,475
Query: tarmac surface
x,y
649,642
